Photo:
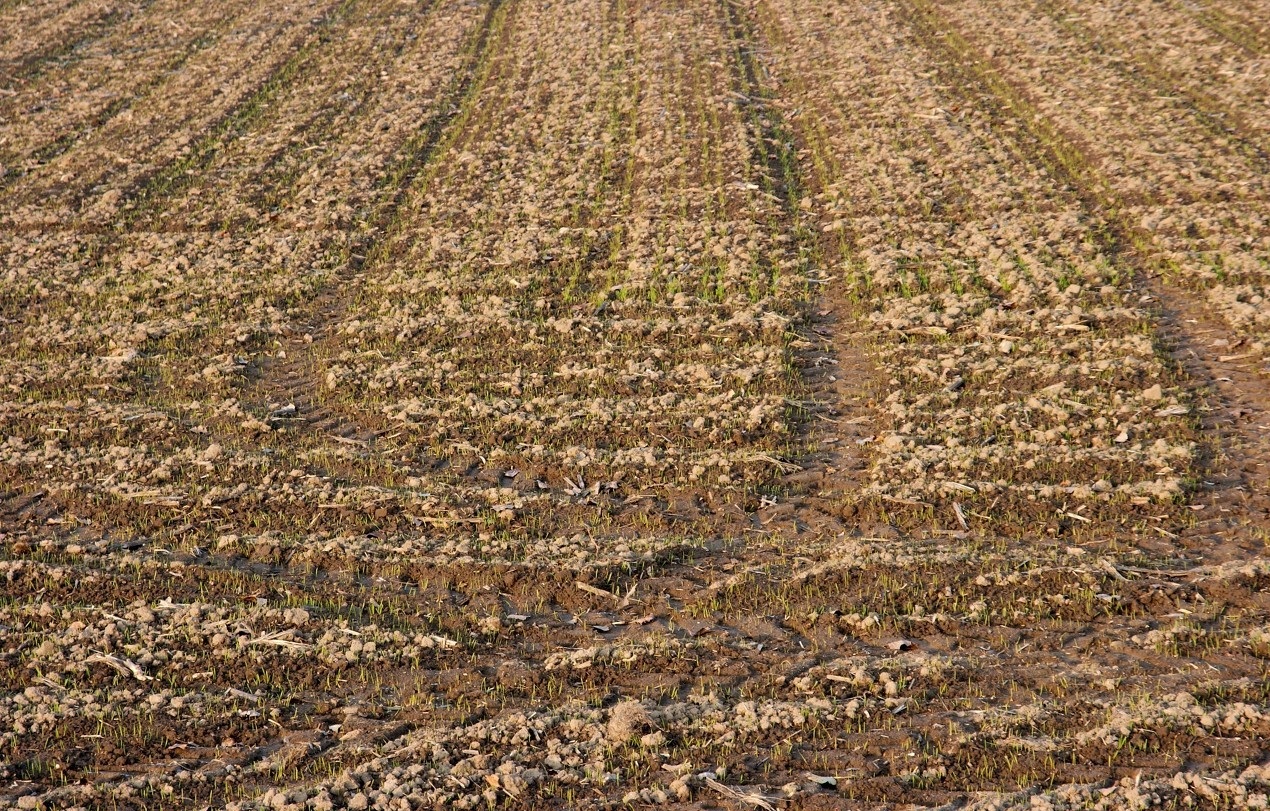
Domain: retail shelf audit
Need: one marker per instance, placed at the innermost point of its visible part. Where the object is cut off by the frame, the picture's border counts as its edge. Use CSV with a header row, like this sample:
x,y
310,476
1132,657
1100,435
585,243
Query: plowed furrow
x,y
611,404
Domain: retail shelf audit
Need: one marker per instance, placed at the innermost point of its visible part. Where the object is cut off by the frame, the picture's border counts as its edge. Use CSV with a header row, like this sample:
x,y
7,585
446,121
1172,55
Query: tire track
x,y
837,375
292,382
402,168
897,214
1054,649
158,192
1238,398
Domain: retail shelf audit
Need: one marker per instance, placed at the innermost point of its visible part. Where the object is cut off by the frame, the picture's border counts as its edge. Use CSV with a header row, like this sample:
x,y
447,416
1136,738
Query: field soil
x,y
596,404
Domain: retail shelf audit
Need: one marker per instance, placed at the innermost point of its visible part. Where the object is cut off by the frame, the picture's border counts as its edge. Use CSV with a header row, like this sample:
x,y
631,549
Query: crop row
x,y
39,35
1022,380
88,185
587,274
150,322
1182,165
43,119
587,205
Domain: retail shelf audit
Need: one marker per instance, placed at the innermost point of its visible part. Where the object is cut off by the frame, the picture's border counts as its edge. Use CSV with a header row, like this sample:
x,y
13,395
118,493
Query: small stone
x,y
1153,393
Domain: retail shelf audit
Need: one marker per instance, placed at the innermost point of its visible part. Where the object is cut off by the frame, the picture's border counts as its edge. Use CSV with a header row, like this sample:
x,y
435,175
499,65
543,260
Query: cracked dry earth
x,y
739,404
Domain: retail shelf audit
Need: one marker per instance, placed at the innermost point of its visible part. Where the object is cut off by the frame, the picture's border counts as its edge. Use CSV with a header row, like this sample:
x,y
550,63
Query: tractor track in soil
x,y
839,381
293,381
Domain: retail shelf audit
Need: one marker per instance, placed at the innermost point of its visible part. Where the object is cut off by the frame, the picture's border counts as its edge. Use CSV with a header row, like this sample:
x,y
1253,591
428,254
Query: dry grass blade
x,y
589,589
280,639
779,464
243,694
126,667
756,800
442,642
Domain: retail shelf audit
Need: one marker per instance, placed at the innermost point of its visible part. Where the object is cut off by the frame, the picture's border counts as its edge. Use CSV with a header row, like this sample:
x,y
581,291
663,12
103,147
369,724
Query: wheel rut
x,y
1232,501
597,647
835,412
285,389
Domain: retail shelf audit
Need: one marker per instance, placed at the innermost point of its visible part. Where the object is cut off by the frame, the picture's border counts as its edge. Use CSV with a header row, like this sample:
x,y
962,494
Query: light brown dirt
x,y
614,403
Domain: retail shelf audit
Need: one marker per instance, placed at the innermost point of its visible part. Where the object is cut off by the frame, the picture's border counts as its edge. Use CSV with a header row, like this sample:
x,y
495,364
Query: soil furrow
x,y
161,395
237,176
95,189
943,270
1194,201
27,15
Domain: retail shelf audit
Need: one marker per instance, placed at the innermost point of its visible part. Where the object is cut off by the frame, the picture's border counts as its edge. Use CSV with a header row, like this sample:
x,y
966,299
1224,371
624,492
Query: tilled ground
x,y
614,403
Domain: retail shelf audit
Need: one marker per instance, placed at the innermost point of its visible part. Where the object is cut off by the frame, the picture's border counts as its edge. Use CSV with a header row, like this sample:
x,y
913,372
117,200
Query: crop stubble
x,y
600,403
